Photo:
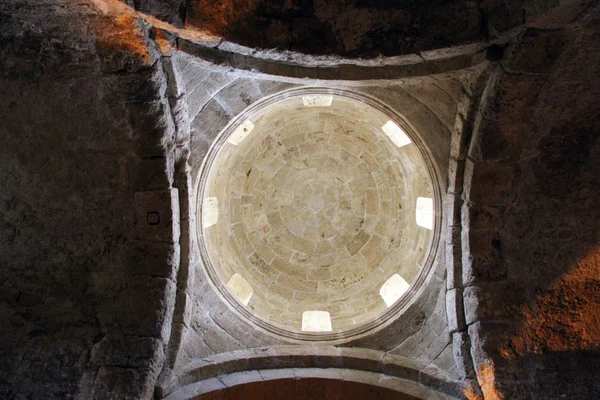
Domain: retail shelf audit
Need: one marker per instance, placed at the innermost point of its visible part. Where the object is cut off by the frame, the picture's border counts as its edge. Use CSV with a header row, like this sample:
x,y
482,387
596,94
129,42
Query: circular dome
x,y
317,213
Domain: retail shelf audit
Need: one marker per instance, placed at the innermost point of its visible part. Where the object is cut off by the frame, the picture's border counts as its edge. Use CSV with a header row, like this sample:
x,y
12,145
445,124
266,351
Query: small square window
x,y
396,134
316,321
210,211
241,133
240,288
424,212
393,289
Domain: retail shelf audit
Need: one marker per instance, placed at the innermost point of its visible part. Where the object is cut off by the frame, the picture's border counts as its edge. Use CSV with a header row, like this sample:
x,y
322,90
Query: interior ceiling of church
x,y
270,199
318,209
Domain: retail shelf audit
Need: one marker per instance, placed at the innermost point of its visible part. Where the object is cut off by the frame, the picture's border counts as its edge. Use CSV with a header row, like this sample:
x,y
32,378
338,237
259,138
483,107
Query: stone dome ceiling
x,y
317,213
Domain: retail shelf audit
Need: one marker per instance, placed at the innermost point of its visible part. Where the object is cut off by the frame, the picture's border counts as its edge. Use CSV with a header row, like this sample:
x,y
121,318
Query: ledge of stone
x,y
295,65
241,378
395,370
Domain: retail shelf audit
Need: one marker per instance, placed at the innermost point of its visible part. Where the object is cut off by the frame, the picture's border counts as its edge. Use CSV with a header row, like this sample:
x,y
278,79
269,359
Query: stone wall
x,y
355,28
530,230
88,238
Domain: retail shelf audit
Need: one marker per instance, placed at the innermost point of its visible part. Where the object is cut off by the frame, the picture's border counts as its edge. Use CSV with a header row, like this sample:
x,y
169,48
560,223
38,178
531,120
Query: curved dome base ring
x,y
316,212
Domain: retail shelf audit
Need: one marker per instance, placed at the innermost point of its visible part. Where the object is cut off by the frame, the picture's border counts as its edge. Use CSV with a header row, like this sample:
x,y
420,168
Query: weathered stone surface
x,y
133,383
454,310
72,144
356,28
461,347
453,258
157,215
152,259
503,16
493,302
172,11
96,104
538,157
456,171
125,351
153,173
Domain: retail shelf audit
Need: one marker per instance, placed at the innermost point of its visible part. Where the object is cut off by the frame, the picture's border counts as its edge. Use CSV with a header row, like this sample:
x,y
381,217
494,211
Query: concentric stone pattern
x,y
316,212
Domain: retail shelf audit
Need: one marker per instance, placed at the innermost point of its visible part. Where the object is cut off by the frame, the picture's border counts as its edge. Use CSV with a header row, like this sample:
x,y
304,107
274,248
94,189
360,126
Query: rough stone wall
x,y
530,220
88,220
354,28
